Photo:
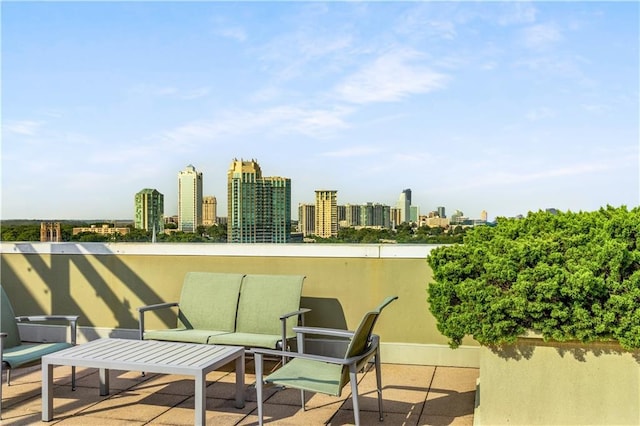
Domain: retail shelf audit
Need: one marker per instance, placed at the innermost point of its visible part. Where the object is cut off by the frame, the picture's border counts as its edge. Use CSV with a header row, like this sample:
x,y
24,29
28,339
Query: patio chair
x,y
322,374
14,353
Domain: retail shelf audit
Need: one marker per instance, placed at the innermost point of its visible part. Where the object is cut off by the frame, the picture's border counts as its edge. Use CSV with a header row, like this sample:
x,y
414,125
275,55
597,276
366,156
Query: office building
x,y
326,213
259,208
149,210
441,212
307,219
189,199
209,211
404,204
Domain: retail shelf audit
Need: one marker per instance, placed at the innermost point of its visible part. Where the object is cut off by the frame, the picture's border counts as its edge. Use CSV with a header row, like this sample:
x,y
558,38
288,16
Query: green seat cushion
x,y
314,376
251,340
264,298
182,335
30,353
8,322
209,301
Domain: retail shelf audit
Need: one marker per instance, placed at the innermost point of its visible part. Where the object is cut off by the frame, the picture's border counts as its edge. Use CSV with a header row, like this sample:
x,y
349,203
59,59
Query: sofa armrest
x,y
155,307
71,319
333,332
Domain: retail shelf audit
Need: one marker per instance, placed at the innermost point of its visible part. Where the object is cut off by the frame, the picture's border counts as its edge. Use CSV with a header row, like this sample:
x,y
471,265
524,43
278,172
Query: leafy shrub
x,y
568,276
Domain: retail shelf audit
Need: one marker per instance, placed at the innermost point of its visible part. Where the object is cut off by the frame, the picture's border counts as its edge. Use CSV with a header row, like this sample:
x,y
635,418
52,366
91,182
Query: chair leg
x,y
379,383
353,374
304,408
257,358
8,377
73,377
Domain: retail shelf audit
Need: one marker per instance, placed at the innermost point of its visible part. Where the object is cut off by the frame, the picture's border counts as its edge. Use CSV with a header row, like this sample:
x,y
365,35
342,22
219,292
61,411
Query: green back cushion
x,y
8,322
209,300
264,298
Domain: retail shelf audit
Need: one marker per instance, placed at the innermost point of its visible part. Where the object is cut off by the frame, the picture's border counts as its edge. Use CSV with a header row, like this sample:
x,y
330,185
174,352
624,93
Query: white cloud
x,y
390,77
541,36
234,33
23,127
315,123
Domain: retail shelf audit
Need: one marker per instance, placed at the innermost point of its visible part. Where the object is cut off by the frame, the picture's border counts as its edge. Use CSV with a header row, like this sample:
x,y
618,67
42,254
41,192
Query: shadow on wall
x,y
57,276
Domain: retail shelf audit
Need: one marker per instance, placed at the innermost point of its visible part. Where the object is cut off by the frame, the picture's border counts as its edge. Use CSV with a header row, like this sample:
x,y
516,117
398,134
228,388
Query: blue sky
x,y
504,107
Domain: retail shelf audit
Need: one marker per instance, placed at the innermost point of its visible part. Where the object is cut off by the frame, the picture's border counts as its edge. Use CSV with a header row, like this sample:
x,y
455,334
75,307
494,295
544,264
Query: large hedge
x,y
568,276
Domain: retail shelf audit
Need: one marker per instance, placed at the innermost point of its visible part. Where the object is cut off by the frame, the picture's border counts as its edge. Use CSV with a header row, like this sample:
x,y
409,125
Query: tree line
x,y
403,234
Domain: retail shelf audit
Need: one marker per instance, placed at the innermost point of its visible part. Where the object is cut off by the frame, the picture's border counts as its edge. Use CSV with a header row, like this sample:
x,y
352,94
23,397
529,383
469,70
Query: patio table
x,y
147,356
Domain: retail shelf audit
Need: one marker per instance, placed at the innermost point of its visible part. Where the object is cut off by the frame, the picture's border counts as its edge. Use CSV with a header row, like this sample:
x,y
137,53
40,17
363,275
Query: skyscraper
x,y
149,210
306,219
404,204
326,213
209,211
189,199
259,208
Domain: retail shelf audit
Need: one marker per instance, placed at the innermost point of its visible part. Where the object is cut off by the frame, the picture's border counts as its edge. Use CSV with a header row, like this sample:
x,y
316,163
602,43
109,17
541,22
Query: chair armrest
x,y
72,319
334,332
143,309
298,312
157,306
332,360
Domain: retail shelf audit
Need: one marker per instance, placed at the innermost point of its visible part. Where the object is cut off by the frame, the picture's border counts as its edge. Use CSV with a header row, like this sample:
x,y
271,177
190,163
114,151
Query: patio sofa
x,y
250,310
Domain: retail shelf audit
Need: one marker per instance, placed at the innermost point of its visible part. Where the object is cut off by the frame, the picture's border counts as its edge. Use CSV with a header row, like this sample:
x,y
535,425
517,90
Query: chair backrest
x,y
360,340
264,298
209,301
8,322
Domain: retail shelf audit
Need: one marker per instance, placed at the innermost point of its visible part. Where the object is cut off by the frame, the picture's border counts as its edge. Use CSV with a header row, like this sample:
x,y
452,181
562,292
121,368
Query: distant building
x,y
441,212
209,211
307,219
259,208
414,213
189,199
102,230
149,210
326,213
352,215
396,216
375,215
404,204
483,215
50,232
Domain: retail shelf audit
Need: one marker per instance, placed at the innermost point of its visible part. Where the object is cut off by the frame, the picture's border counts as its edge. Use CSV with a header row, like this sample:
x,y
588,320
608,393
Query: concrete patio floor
x,y
413,395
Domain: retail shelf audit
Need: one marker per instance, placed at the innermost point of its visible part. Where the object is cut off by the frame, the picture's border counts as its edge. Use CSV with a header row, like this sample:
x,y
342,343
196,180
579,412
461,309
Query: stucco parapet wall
x,y
382,251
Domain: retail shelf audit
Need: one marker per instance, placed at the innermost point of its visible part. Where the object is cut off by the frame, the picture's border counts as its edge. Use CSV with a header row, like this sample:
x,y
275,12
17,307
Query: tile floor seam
x,y
426,397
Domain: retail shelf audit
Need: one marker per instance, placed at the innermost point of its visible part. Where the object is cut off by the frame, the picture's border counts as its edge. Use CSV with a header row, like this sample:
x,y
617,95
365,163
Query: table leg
x,y
240,381
47,392
200,402
104,381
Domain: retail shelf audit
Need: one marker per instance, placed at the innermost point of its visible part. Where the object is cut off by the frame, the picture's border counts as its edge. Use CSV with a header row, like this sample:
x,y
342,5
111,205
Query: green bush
x,y
568,276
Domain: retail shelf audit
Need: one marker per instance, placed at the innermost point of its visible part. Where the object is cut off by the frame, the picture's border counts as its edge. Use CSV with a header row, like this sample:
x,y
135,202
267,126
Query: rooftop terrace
x,y
413,395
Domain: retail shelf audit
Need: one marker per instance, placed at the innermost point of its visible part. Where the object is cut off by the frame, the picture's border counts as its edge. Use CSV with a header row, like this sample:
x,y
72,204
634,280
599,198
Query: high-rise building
x,y
149,210
404,204
209,211
189,199
326,213
352,215
306,219
441,212
259,208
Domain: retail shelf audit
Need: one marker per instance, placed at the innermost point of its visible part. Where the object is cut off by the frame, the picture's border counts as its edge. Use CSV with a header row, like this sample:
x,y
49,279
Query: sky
x,y
504,107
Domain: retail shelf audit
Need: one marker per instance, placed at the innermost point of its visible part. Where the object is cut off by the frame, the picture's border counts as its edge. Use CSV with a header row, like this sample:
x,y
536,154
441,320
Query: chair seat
x,y
182,335
311,375
253,340
30,352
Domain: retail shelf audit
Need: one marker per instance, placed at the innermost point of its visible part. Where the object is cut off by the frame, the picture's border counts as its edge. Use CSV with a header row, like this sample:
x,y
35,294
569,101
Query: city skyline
x,y
507,107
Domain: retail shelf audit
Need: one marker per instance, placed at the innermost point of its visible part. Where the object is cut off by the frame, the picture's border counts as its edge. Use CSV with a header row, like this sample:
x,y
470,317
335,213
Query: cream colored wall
x,y
106,283
538,383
